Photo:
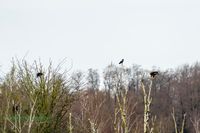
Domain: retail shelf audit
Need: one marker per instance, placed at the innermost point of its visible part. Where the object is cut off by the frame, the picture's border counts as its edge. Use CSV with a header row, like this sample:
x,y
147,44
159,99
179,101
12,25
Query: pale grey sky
x,y
94,33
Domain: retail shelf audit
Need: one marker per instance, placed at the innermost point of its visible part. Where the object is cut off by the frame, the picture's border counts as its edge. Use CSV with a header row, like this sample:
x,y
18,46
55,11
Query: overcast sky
x,y
94,33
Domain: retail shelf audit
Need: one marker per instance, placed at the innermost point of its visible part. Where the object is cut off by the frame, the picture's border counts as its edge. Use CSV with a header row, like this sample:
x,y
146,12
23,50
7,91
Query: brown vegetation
x,y
130,101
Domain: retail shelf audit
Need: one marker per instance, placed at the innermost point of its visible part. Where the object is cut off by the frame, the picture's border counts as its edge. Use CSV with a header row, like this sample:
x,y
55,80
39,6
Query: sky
x,y
94,33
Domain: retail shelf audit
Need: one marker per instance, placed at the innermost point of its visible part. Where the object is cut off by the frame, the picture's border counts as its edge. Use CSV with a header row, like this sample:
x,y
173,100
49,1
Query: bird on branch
x,y
154,73
39,74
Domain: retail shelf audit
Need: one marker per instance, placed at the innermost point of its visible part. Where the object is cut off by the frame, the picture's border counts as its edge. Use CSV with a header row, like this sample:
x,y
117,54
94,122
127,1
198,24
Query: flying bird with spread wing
x,y
121,62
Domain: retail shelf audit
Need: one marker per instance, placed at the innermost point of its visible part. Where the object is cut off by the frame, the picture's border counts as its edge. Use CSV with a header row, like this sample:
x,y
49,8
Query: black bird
x,y
15,108
121,62
154,73
39,74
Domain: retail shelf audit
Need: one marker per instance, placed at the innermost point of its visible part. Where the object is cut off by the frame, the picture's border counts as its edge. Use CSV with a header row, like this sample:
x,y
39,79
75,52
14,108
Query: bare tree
x,y
93,80
77,80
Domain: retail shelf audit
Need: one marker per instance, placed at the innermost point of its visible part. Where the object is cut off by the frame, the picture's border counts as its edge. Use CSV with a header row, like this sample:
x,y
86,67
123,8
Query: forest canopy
x,y
36,99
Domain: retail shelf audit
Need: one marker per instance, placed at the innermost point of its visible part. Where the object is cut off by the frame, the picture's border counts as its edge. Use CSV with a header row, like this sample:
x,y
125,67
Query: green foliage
x,y
42,102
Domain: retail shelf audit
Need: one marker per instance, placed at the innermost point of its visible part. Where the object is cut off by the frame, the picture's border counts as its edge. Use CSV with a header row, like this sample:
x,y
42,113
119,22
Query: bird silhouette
x,y
15,108
154,73
121,62
39,74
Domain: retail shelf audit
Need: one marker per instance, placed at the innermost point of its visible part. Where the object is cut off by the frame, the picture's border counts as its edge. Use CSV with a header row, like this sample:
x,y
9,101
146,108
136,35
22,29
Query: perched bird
x,y
15,108
39,74
154,73
121,62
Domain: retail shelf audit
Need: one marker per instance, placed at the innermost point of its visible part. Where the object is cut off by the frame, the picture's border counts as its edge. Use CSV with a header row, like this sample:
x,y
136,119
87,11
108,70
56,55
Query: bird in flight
x,y
153,74
121,62
39,74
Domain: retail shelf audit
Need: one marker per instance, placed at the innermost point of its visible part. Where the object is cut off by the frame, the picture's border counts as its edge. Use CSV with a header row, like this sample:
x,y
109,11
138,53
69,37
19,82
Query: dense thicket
x,y
56,103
